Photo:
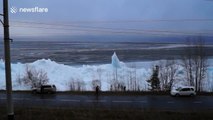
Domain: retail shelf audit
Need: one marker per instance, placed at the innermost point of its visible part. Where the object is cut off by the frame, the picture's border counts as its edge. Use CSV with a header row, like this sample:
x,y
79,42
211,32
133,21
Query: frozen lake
x,y
78,53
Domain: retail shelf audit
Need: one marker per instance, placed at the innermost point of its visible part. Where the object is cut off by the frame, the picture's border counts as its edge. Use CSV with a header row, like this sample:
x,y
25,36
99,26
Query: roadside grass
x,y
103,114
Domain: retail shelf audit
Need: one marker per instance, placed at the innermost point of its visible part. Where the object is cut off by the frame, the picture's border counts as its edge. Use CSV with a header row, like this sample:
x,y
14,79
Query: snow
x,y
62,75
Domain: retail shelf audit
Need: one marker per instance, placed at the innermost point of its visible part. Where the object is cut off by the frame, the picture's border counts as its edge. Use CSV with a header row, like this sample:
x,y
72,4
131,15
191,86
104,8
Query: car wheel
x,y
177,95
192,95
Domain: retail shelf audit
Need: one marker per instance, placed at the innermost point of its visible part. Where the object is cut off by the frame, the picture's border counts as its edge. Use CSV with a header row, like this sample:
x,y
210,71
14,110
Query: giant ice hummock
x,y
62,75
115,61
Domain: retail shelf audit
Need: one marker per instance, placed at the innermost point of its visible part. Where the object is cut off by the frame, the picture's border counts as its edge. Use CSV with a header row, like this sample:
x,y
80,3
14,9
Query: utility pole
x,y
5,22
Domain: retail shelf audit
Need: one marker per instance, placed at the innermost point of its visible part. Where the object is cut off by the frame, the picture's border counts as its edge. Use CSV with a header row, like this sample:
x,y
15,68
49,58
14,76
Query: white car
x,y
184,91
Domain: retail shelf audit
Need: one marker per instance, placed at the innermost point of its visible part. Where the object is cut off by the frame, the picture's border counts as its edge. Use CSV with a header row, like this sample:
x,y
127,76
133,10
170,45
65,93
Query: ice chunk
x,y
115,61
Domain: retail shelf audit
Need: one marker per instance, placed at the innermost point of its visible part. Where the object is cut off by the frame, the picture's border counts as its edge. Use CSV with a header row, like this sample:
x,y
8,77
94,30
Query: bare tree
x,y
33,77
19,79
77,85
195,62
99,72
133,81
117,82
168,72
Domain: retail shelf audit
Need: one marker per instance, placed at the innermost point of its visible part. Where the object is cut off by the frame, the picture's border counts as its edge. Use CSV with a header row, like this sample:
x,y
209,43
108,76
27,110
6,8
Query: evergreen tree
x,y
154,81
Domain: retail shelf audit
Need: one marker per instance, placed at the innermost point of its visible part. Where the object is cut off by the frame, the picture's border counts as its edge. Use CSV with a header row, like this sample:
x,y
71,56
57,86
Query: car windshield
x,y
178,89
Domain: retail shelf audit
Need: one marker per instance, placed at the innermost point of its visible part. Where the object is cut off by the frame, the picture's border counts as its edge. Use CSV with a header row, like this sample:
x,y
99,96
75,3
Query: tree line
x,y
194,62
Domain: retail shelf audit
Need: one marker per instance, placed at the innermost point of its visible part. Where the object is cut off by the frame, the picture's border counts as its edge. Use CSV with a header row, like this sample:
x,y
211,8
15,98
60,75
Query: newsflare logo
x,y
13,9
36,9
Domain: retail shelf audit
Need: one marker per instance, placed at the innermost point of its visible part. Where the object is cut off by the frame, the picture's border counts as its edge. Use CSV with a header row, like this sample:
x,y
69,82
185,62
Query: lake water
x,y
75,53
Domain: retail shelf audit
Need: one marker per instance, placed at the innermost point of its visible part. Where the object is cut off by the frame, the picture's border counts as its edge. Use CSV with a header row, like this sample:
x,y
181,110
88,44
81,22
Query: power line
x,y
139,21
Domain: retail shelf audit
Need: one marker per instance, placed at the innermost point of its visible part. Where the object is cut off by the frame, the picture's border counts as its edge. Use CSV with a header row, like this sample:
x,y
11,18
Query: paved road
x,y
159,102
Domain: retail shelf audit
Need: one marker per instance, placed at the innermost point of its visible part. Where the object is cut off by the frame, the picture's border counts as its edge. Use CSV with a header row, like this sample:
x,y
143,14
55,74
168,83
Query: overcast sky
x,y
112,17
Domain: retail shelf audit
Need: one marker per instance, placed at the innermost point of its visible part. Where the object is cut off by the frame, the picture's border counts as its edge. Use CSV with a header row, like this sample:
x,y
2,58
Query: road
x,y
159,102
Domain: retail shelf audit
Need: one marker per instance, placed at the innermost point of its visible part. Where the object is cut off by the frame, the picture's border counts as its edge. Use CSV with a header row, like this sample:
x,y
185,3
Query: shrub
x,y
33,77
